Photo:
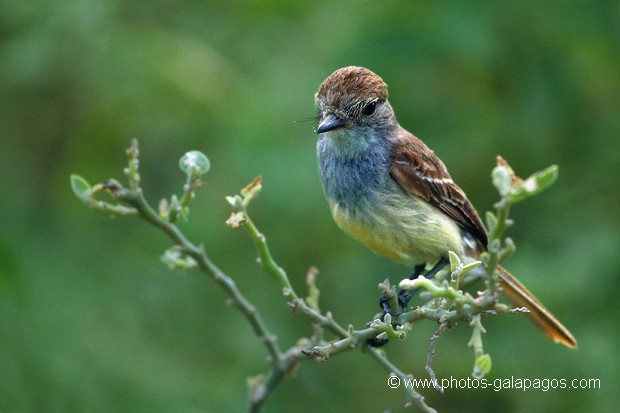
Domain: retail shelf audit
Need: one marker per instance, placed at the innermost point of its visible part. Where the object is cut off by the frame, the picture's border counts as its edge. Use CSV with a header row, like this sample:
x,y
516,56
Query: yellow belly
x,y
403,228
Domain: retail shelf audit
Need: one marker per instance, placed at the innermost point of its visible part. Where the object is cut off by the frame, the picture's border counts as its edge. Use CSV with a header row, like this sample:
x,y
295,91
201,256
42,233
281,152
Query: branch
x,y
448,303
133,203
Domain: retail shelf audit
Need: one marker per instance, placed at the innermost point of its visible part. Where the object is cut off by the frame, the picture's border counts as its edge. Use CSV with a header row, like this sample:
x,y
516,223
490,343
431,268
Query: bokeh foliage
x,y
91,321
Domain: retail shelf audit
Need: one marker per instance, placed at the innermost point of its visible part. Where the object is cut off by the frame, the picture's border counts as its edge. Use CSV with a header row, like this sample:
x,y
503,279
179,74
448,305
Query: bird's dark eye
x,y
369,109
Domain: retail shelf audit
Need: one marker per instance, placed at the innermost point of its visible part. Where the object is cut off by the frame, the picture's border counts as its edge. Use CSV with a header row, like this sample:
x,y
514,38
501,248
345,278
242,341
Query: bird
x,y
388,190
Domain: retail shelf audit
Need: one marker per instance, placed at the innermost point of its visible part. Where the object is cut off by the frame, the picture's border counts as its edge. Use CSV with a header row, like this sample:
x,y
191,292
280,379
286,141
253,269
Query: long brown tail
x,y
539,315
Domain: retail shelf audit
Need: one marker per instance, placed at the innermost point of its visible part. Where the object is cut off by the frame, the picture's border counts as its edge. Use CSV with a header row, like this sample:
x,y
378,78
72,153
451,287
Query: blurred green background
x,y
91,321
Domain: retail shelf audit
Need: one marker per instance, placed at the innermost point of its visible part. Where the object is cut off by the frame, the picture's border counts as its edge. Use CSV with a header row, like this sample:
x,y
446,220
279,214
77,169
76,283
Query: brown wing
x,y
418,170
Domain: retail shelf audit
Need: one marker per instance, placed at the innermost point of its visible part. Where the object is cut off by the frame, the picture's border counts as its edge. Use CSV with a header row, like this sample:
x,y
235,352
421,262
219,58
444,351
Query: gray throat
x,y
352,173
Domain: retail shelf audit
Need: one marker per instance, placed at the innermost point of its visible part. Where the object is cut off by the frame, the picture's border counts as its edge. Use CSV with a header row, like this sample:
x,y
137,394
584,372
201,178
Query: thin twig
x,y
443,327
405,380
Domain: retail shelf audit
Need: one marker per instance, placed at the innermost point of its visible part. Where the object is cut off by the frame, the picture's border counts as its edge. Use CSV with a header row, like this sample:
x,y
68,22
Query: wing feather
x,y
419,171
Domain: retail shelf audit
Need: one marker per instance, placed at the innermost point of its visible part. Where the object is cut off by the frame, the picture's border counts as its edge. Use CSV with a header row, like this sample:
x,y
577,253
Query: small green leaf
x,y
194,163
470,267
81,187
508,250
535,184
482,366
176,260
387,319
501,180
491,220
455,261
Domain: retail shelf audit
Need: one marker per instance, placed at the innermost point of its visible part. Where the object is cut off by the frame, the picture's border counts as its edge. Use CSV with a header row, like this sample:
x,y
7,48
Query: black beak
x,y
329,122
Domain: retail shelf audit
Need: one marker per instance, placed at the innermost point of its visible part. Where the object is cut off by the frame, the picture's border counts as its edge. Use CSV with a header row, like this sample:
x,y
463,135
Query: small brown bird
x,y
387,189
